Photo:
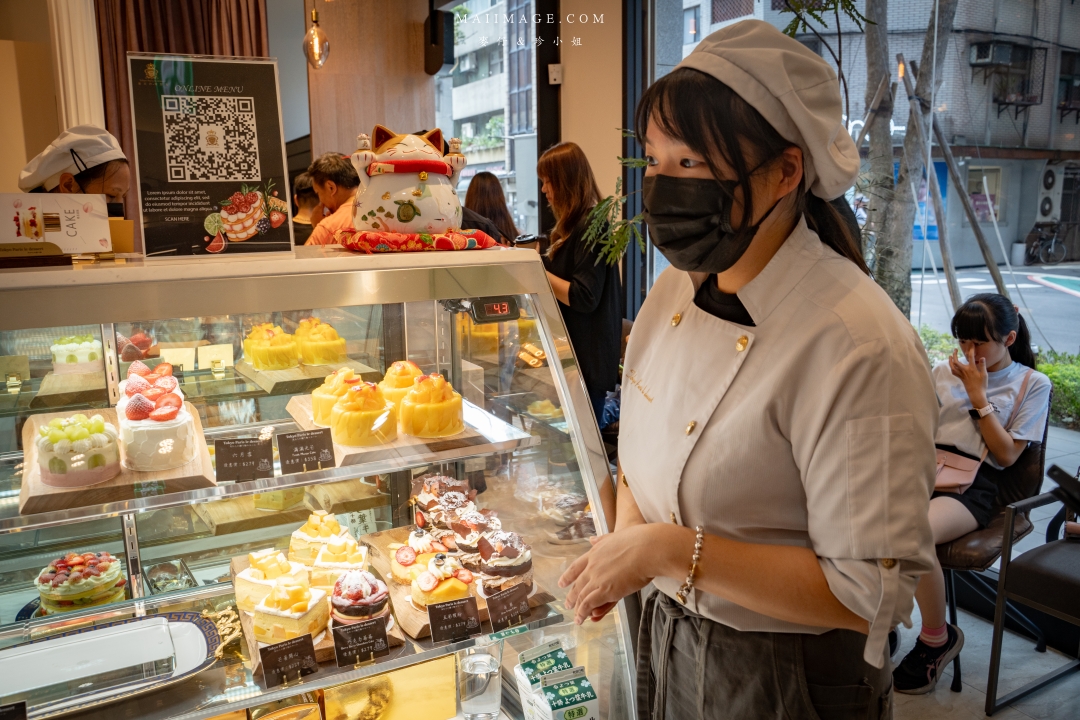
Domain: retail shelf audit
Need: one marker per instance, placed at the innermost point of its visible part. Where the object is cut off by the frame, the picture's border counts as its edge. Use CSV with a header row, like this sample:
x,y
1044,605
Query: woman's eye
x,y
651,160
689,163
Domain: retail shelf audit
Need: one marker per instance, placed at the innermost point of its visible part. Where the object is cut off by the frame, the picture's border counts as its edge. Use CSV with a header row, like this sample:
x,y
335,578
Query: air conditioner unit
x,y
468,62
1053,178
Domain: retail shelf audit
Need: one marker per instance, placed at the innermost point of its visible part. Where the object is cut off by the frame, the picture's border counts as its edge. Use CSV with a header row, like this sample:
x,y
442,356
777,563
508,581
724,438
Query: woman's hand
x,y
615,566
972,375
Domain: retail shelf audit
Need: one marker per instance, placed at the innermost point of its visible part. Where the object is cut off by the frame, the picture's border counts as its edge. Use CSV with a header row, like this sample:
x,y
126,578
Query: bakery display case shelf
x,y
505,493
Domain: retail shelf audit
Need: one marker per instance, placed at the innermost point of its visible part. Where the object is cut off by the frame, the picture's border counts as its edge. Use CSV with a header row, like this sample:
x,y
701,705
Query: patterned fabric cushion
x,y
370,241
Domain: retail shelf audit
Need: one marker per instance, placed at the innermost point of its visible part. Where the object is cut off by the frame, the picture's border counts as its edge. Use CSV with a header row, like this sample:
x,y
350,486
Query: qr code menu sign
x,y
210,138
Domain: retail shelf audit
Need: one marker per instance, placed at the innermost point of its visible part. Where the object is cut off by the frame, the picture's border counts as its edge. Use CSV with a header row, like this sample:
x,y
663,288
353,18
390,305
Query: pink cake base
x,y
80,478
84,368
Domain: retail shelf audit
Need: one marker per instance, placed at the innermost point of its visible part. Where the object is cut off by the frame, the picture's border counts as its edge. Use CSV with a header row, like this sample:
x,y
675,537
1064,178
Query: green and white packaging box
x,y
533,664
566,695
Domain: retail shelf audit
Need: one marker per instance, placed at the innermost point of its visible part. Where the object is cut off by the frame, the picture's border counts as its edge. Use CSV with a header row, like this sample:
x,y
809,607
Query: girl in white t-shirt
x,y
978,394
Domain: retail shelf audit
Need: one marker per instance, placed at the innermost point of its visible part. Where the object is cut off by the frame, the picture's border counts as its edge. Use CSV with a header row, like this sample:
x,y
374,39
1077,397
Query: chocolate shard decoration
x,y
509,551
461,530
485,548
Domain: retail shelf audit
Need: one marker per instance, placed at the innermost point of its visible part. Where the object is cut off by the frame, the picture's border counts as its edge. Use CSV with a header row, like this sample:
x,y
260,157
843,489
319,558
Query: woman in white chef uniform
x,y
778,417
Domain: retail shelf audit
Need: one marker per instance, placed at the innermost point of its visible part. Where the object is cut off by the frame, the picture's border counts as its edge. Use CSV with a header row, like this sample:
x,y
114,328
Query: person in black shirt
x,y
586,287
305,199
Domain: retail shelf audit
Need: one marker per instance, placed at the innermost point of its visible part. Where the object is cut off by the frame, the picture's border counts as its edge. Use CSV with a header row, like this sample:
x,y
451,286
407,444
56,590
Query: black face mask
x,y
689,222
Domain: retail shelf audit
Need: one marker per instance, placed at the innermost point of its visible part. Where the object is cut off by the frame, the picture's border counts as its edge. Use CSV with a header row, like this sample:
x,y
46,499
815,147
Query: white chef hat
x,y
793,88
76,149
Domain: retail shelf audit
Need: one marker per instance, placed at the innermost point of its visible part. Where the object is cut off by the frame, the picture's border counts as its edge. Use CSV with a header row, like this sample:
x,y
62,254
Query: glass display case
x,y
165,425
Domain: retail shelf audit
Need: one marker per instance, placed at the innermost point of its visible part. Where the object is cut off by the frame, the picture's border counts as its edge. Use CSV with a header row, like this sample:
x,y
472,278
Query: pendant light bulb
x,y
316,45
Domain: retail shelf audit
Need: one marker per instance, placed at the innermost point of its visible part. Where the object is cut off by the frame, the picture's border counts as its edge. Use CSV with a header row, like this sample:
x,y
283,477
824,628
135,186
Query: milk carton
x,y
566,695
534,664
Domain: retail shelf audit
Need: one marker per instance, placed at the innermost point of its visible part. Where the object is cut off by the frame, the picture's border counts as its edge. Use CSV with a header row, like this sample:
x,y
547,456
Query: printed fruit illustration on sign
x,y
248,212
217,245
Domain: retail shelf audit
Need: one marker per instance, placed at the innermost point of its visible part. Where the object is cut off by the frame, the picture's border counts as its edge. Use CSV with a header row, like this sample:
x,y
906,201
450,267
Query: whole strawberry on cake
x,y
156,430
80,580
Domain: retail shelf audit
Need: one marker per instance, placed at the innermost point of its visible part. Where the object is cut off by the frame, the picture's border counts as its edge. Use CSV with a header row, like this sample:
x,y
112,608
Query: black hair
x,y
304,191
98,172
712,120
333,166
989,316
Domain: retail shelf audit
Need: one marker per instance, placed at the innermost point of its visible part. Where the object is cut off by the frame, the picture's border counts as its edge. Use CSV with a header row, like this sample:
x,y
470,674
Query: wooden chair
x,y
978,550
1046,578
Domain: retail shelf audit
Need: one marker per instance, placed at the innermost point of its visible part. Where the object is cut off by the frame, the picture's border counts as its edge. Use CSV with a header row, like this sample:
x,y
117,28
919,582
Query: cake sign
x,y
360,642
244,458
288,661
454,620
14,711
306,450
508,608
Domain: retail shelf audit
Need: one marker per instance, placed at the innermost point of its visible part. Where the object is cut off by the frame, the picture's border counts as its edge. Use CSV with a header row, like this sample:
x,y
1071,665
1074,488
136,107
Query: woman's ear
x,y
1009,339
790,165
68,184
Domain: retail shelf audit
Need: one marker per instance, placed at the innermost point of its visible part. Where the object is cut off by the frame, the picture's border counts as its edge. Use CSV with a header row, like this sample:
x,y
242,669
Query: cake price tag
x,y
361,522
306,450
454,620
286,662
508,607
149,488
14,711
244,458
360,642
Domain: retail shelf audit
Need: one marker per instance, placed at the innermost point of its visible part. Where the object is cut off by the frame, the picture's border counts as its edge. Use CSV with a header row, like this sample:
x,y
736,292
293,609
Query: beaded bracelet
x,y
688,584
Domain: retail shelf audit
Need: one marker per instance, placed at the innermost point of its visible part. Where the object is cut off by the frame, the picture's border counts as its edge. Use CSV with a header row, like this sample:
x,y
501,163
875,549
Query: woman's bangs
x,y
973,321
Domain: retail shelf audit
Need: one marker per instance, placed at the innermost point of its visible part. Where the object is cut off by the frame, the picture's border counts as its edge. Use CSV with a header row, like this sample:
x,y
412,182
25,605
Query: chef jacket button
x,y
690,426
672,517
741,343
676,319
888,563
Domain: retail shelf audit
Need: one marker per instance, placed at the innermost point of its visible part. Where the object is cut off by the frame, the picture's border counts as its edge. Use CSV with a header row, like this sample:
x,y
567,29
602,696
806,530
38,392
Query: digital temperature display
x,y
494,309
499,308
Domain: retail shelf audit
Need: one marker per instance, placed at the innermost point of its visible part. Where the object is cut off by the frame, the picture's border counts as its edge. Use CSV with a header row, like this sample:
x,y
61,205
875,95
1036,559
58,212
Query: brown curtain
x,y
196,27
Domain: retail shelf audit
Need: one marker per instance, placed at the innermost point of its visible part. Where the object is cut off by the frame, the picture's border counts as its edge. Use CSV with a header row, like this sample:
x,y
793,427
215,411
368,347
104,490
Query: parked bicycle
x,y
1046,248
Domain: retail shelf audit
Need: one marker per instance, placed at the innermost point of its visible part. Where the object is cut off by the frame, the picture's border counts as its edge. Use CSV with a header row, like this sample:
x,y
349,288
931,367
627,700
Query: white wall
x,y
591,95
285,27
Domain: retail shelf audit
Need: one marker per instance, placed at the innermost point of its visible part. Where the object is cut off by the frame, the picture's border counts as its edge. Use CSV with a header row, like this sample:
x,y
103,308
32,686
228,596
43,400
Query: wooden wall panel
x,y
374,74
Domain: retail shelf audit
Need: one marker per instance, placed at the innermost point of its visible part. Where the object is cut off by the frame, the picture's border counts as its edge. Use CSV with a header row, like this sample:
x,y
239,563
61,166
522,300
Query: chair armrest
x,y
1034,502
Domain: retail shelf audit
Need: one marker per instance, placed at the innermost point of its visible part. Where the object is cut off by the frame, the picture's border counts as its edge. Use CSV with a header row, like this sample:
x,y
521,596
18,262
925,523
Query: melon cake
x,y
254,583
431,408
306,542
78,451
80,580
358,595
76,354
156,430
289,611
399,380
324,397
319,343
268,347
278,500
362,417
444,579
336,558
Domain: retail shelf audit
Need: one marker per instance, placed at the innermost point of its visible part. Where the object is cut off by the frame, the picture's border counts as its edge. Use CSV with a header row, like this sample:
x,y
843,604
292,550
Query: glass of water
x,y
480,679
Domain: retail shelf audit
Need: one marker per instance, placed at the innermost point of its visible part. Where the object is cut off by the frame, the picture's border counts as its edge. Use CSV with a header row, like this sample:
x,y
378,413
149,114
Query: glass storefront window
x,y
487,100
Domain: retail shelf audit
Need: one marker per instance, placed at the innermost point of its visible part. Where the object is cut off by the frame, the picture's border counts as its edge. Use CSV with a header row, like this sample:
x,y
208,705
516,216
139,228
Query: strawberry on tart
x,y
76,581
156,430
358,595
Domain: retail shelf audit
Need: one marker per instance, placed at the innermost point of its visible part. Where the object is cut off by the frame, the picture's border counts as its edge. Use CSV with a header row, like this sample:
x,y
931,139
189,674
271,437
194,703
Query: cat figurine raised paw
x,y
407,184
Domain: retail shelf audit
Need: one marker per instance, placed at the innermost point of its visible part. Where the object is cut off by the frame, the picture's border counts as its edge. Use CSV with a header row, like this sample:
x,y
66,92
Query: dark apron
x,y
691,667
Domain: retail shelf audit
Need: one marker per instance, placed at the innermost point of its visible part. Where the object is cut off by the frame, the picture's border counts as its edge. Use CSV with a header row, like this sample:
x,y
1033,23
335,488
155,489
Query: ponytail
x,y
1020,351
834,229
989,316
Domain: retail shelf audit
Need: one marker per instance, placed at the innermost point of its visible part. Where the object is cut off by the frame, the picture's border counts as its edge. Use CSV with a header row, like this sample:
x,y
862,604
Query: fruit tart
x,y
157,431
362,417
80,580
431,408
358,595
506,562
399,380
268,347
77,354
78,451
252,584
411,559
324,397
319,343
443,580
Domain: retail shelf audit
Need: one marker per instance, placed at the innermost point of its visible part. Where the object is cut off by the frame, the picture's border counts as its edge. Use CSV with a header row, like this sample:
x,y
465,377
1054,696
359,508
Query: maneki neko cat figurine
x,y
407,185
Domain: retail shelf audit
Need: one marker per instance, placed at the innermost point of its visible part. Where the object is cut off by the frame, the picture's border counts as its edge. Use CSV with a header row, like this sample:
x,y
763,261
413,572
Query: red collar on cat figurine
x,y
409,166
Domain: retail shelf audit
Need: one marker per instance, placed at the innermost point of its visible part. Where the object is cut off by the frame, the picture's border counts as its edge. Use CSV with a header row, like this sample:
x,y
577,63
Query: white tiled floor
x,y
1020,662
